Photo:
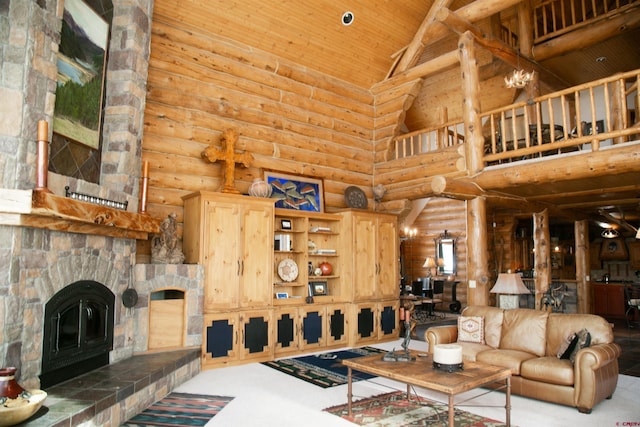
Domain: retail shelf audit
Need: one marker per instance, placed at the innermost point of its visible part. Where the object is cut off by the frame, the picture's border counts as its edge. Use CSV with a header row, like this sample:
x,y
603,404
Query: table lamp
x,y
509,286
430,263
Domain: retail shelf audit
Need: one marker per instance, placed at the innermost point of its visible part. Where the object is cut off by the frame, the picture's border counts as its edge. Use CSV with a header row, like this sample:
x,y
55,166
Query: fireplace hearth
x,y
78,331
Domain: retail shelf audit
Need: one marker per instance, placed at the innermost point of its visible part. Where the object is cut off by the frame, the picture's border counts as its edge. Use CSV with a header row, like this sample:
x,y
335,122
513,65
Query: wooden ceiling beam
x,y
498,48
431,31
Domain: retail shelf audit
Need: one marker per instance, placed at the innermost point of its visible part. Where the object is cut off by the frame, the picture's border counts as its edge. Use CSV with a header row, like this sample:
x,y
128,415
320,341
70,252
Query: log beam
x,y
581,233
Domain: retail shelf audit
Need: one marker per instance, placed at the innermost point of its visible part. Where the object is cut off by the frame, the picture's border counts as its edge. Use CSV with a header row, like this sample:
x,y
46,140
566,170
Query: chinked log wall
x,y
291,119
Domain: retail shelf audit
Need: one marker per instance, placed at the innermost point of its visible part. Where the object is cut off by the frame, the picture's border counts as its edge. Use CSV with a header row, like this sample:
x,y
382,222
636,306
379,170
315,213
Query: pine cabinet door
x,y
222,237
365,257
220,341
256,272
387,248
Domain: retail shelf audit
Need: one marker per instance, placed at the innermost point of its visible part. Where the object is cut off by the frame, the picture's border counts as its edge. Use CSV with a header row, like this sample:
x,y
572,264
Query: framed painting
x,y
296,192
81,63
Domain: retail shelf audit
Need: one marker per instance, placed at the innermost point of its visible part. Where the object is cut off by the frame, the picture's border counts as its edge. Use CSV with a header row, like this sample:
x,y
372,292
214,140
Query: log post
x,y
471,103
542,254
477,261
583,289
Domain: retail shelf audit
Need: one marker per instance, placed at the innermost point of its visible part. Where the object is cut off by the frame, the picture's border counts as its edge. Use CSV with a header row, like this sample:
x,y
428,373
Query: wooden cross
x,y
228,155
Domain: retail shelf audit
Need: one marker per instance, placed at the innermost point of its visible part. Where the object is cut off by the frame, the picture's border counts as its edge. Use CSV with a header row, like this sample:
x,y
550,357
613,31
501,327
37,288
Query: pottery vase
x,y
259,188
326,269
9,387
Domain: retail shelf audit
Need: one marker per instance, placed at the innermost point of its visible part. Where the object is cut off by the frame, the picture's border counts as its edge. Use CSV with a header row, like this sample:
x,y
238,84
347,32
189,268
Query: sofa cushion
x,y
549,370
525,330
471,329
471,350
511,359
560,326
493,317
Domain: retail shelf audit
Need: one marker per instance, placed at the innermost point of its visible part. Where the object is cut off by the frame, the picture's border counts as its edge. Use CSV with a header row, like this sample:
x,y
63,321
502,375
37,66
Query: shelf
x,y
42,209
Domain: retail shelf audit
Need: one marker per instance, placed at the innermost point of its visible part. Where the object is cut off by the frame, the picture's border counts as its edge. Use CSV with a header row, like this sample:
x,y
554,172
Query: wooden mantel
x,y
41,209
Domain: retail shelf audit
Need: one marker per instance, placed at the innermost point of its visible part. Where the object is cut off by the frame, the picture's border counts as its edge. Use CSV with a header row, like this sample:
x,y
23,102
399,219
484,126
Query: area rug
x,y
324,370
394,410
180,409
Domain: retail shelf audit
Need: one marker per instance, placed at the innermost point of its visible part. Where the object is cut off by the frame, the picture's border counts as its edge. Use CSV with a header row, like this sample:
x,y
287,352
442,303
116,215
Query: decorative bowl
x,y
11,415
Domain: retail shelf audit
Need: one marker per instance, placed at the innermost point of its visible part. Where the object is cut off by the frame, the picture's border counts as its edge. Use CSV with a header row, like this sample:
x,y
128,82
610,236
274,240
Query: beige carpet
x,y
266,397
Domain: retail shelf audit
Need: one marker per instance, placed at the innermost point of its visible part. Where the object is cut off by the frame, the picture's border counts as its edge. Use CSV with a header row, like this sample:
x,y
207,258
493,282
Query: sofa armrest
x,y
596,374
441,335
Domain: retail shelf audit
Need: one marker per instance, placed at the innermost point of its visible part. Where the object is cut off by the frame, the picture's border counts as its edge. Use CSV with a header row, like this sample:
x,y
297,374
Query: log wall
x,y
292,120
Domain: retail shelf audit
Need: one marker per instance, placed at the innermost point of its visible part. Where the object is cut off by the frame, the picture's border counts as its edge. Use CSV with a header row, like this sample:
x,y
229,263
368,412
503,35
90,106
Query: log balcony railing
x,y
585,117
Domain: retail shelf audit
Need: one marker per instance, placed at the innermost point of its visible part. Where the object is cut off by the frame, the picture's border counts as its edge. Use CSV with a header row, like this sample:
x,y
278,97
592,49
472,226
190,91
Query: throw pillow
x,y
574,343
471,329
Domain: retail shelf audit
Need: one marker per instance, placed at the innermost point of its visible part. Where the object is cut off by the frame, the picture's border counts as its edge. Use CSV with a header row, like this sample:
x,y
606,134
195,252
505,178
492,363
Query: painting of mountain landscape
x,y
81,64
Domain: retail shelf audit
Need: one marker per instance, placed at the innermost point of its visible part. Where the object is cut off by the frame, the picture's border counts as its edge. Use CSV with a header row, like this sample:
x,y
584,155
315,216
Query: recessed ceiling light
x,y
347,18
601,59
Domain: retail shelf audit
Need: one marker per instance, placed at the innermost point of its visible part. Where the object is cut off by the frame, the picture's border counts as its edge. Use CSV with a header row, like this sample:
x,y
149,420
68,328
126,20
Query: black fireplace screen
x,y
78,331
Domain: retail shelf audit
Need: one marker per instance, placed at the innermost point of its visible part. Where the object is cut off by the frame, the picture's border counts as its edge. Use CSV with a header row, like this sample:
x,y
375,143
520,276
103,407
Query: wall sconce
x,y
510,287
611,233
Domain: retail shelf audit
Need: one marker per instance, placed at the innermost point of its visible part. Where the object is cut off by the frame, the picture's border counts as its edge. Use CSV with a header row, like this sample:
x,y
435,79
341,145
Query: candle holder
x,y
42,157
96,200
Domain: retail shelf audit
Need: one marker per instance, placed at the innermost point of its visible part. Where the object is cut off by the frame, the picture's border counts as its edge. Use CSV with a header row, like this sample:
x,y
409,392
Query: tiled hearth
x,y
112,394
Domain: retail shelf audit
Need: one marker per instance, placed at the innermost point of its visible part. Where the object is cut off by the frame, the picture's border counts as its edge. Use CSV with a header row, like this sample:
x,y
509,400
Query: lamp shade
x,y
430,262
510,284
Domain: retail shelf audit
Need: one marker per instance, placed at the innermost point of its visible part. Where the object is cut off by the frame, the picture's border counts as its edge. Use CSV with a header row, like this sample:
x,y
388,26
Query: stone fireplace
x,y
78,331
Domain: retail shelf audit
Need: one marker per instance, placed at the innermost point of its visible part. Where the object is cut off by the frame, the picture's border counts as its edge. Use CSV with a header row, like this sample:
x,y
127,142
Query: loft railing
x,y
607,111
552,18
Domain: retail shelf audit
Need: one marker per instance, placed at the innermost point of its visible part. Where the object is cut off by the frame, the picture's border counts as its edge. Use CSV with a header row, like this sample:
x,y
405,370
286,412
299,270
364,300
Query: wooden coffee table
x,y
420,372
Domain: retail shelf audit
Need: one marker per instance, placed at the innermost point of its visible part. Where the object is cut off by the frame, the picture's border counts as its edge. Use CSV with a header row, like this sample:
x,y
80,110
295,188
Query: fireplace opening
x,y
78,331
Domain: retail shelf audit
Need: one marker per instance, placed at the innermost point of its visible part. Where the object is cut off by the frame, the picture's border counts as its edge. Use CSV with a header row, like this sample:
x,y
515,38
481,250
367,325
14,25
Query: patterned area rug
x,y
394,410
180,409
324,370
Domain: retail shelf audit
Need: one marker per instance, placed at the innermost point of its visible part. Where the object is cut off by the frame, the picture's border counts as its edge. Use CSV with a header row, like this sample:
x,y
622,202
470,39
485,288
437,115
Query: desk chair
x,y
434,296
632,302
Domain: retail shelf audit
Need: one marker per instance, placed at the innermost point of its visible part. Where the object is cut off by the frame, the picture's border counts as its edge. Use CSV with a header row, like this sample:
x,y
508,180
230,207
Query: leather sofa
x,y
528,342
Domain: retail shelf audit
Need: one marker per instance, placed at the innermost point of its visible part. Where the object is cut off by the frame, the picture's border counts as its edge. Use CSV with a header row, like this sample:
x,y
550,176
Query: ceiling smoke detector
x,y
347,18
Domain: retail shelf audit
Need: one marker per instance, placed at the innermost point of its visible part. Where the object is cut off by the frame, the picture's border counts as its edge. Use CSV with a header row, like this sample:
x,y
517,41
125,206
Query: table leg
x,y
451,411
408,392
508,402
349,391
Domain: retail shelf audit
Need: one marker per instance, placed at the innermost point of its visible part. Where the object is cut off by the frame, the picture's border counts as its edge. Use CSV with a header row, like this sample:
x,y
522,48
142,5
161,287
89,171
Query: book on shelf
x,y
326,251
320,229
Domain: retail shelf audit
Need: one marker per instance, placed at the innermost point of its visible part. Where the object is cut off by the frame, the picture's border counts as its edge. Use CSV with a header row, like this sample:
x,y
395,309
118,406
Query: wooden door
x,y
387,248
313,327
365,259
220,339
221,260
256,260
287,330
257,335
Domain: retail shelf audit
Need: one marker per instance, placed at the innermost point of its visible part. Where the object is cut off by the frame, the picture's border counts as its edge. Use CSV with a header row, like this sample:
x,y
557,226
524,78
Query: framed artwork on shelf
x,y
318,288
285,224
81,63
282,295
296,192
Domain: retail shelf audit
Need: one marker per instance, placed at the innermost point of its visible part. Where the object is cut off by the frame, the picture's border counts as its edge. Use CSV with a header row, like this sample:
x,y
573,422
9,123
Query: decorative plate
x,y
288,270
355,197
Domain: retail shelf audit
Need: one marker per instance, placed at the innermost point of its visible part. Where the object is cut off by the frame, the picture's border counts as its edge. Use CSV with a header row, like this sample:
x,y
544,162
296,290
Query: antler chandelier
x,y
518,79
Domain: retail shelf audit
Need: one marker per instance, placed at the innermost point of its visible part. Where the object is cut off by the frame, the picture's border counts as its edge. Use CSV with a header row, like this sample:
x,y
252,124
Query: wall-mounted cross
x,y
228,155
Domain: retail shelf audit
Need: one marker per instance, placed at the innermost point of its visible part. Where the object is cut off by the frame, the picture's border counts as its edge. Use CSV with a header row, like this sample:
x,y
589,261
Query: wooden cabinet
x,y
233,337
232,236
634,255
373,243
594,256
608,300
310,327
375,321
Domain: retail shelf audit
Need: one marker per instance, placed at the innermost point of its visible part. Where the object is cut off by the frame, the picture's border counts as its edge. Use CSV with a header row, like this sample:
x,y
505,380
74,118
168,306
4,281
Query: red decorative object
x,y
326,268
8,385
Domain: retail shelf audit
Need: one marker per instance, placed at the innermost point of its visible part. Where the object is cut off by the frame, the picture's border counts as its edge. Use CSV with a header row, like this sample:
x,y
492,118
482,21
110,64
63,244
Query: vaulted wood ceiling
x,y
365,52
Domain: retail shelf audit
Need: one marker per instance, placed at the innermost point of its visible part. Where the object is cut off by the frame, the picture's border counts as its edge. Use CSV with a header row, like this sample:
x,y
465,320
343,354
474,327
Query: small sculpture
x,y
167,248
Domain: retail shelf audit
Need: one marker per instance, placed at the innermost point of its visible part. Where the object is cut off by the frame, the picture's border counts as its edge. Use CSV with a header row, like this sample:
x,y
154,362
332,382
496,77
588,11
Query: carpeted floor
x,y
180,410
394,410
324,370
